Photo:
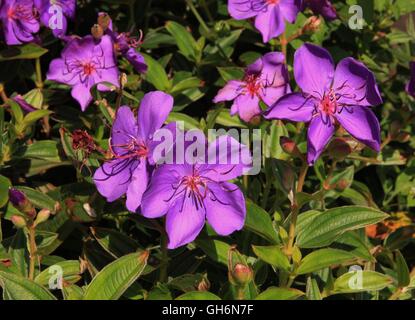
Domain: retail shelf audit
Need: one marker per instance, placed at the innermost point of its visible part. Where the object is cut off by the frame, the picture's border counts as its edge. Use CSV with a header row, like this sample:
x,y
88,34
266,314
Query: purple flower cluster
x,y
21,19
187,193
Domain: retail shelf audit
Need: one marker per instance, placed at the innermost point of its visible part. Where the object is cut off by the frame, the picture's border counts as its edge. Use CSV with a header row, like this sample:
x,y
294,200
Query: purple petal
x,y
229,92
362,124
323,7
23,104
161,194
270,23
290,9
113,177
241,10
184,221
355,84
226,159
82,94
137,186
319,135
313,69
136,60
247,106
270,95
410,88
123,130
225,208
293,106
154,110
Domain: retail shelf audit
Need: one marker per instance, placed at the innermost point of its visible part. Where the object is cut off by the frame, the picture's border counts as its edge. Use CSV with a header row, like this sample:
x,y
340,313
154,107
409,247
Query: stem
x,y
32,252
205,7
386,142
3,93
284,44
295,210
396,294
164,257
39,81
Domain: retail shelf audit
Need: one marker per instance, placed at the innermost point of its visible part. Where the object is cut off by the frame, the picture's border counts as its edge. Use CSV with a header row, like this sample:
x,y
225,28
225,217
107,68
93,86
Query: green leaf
x,y
231,73
224,118
71,270
189,122
42,150
324,228
273,256
323,258
258,221
113,280
184,40
38,199
27,51
156,74
19,288
402,270
4,190
361,281
312,290
198,295
115,243
275,293
215,249
34,116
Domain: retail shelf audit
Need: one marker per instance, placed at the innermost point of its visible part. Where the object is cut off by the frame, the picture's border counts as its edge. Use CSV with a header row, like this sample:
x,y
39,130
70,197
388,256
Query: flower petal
x,y
293,106
319,135
290,9
225,208
230,91
313,69
240,10
123,130
362,124
184,221
137,186
270,23
248,107
356,84
161,192
226,159
113,177
136,60
82,94
154,110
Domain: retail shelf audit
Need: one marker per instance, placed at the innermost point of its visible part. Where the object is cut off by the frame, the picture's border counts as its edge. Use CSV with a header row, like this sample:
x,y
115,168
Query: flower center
x,y
133,149
272,1
253,85
88,68
20,12
328,105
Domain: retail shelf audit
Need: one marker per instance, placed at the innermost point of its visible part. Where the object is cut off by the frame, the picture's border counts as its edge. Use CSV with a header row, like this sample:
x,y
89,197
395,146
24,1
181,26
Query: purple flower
x,y
54,14
269,14
265,80
323,7
85,63
19,21
330,96
410,88
132,148
126,46
190,193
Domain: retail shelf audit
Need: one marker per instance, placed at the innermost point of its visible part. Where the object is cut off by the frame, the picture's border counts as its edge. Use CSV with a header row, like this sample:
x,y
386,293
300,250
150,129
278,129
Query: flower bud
x,y
242,274
312,24
42,216
290,147
339,149
18,221
204,285
19,200
255,121
104,20
403,137
97,31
